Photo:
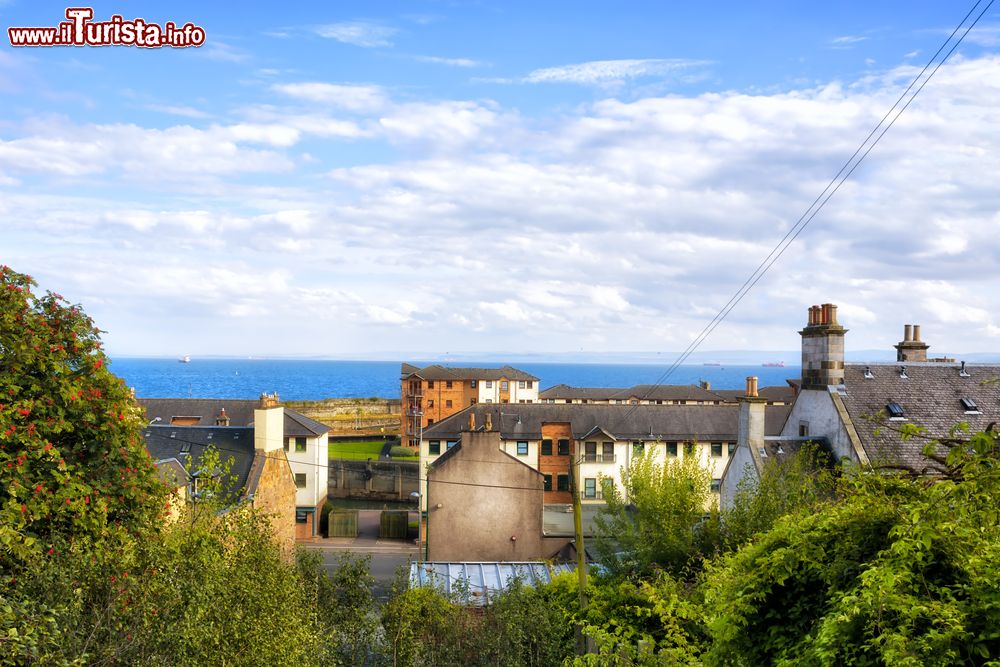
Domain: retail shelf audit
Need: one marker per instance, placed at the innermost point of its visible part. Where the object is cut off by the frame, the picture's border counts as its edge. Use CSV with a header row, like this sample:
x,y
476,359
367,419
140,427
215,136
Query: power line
x,y
832,187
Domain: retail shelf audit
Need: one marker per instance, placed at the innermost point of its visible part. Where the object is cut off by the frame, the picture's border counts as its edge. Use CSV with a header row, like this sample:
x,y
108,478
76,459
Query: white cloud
x,y
221,51
358,33
350,97
847,41
451,62
179,110
602,71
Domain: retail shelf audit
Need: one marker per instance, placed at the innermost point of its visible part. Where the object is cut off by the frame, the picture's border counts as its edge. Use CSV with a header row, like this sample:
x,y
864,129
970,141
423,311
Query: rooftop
x,y
438,372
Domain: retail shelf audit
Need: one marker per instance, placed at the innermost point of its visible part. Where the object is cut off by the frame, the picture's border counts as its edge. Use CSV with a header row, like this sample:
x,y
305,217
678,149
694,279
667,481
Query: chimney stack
x,y
269,428
268,400
489,421
911,348
706,385
222,419
472,421
822,348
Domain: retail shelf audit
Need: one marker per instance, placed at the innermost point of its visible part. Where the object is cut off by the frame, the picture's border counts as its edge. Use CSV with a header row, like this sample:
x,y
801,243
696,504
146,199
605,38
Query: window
x,y
430,402
447,384
803,429
638,448
522,447
504,386
434,447
608,455
300,480
489,384
472,401
717,449
521,384
671,449
562,483
472,383
288,441
531,384
301,516
547,447
430,421
563,448
688,448
590,487
300,444
451,443
969,405
716,485
895,411
430,384
590,451
548,482
489,400
732,448
447,403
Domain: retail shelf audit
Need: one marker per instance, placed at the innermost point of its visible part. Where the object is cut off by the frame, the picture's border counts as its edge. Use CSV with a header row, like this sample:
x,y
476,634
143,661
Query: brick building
x,y
434,393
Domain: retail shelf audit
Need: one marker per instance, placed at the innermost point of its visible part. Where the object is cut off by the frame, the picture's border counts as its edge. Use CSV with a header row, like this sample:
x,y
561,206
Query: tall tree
x,y
72,463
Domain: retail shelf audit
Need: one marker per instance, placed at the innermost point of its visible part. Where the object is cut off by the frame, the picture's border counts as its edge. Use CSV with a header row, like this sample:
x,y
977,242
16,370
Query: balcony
x,y
593,495
598,458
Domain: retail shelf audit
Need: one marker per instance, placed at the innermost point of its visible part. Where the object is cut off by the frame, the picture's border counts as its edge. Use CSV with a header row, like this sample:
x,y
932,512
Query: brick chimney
x,y
822,348
268,400
222,419
911,348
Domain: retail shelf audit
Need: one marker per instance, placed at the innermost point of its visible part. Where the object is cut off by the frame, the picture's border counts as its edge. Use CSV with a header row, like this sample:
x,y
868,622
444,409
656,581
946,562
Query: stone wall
x,y
275,495
389,481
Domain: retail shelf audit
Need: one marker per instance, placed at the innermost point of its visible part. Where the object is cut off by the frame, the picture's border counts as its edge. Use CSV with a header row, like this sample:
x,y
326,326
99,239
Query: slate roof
x,y
667,392
239,411
784,394
930,396
624,422
184,442
438,372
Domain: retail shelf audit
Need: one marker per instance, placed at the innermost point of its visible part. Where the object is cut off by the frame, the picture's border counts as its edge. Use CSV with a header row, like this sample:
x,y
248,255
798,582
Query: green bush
x,y
402,452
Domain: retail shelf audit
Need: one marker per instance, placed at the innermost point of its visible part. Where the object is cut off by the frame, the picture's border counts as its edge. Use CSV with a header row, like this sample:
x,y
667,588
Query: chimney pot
x,y
824,317
907,333
472,421
752,386
489,421
833,313
916,333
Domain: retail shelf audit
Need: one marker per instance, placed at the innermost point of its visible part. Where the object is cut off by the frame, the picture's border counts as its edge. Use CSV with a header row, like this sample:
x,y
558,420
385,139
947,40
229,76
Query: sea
x,y
311,380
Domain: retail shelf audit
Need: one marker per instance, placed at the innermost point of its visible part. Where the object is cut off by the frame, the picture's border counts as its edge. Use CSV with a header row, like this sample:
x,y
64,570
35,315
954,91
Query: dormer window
x,y
895,411
970,406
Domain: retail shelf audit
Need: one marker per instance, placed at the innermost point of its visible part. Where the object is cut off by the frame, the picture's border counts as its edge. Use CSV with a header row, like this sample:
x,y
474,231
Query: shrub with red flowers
x,y
72,460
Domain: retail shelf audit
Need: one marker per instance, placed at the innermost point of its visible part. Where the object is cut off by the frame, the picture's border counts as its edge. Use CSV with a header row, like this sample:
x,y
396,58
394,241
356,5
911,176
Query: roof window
x,y
868,373
895,411
969,405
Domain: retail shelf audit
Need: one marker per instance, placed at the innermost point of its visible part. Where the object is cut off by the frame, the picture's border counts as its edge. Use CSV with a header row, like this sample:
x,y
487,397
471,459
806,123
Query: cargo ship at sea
x,y
773,364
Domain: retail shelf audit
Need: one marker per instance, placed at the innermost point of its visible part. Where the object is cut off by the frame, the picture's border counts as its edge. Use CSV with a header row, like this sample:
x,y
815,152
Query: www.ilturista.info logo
x,y
81,30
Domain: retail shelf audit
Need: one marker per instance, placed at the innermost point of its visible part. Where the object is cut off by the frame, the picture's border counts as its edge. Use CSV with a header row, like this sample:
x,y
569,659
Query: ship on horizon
x,y
773,364
186,359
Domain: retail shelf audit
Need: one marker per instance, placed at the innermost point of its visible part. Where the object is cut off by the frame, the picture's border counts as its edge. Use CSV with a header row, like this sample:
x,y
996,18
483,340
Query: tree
x,y
901,570
797,483
72,463
662,518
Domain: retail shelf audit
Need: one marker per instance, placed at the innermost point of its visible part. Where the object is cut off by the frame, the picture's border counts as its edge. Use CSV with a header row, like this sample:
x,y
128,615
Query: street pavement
x,y
388,557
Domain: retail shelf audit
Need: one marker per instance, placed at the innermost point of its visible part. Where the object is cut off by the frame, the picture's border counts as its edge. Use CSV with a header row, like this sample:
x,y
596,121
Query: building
x,y
304,441
261,474
466,486
650,394
434,393
603,437
859,409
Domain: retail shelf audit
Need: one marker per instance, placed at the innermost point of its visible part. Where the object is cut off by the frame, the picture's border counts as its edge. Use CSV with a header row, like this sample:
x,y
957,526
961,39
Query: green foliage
x,y
71,458
798,483
901,571
400,452
662,518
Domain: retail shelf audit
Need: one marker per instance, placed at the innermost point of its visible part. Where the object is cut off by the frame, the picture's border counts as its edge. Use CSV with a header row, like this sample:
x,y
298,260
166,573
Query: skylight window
x,y
969,405
895,411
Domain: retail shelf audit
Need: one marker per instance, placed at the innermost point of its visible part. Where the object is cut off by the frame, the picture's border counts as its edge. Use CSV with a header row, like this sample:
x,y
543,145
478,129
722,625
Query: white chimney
x,y
269,429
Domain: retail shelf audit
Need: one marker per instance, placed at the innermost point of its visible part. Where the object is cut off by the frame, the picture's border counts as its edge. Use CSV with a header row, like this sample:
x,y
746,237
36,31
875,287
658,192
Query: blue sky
x,y
416,178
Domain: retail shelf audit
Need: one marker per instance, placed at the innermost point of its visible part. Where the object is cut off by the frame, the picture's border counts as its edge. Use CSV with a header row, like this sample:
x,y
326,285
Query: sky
x,y
423,178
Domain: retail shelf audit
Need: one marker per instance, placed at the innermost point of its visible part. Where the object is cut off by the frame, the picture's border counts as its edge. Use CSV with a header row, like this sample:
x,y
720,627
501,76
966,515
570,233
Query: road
x,y
388,557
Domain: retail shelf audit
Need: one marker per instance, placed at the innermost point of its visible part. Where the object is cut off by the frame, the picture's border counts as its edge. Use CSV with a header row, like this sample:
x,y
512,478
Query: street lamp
x,y
416,495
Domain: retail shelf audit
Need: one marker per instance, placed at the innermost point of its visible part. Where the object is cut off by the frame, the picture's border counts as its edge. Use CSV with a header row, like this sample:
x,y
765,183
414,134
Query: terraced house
x,y
304,442
434,393
603,438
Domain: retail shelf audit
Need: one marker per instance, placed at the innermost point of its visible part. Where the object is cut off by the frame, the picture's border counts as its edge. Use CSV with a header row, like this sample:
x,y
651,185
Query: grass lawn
x,y
361,451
